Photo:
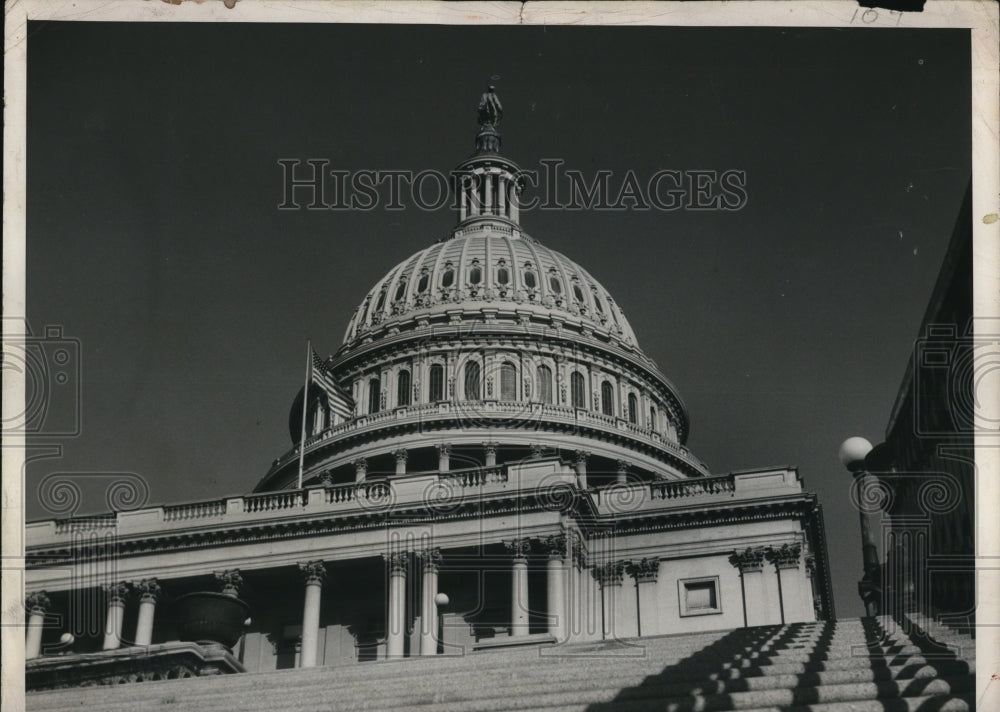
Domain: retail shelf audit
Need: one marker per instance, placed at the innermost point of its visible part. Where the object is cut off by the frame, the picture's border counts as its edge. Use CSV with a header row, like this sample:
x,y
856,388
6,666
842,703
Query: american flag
x,y
341,403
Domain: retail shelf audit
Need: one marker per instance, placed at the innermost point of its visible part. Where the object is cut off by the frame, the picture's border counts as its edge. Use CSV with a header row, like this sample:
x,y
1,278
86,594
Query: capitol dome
x,y
483,348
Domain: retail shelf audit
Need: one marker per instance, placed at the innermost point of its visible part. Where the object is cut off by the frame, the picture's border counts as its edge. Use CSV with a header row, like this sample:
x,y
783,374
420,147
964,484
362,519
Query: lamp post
x,y
853,452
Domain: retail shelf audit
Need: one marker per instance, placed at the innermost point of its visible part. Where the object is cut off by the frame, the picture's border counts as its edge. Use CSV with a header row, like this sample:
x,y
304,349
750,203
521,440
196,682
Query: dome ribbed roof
x,y
484,265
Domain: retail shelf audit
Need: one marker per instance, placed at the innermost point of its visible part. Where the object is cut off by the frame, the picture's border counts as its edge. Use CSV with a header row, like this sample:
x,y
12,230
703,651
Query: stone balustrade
x,y
507,410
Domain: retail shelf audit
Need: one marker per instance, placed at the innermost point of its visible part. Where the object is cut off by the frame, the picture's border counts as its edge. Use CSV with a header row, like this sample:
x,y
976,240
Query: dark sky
x,y
154,235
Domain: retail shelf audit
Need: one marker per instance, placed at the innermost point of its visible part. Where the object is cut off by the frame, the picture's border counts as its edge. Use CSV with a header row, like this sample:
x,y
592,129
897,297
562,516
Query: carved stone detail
x,y
645,570
751,559
116,592
313,572
786,556
609,574
37,602
397,561
518,548
555,546
431,559
148,589
537,450
230,580
401,455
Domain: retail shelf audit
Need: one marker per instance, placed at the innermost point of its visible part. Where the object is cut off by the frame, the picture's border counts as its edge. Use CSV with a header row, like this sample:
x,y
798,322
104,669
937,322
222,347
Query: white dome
x,y
489,266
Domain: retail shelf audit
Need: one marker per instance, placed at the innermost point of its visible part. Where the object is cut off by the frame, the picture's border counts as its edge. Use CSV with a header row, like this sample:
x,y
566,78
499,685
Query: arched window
x,y
652,417
597,302
374,394
607,398
448,278
633,409
544,376
473,388
437,382
403,393
508,381
578,390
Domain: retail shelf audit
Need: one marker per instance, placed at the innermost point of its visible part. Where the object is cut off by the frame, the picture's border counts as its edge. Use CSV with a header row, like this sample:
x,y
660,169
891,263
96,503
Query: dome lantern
x,y
488,185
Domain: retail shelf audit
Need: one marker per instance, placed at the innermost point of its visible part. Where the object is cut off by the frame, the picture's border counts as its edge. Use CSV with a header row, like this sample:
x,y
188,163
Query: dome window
x,y
597,302
437,383
503,276
475,274
448,278
554,283
508,381
544,377
607,398
472,381
633,409
652,417
381,301
422,284
403,388
374,394
400,290
578,390
529,279
577,292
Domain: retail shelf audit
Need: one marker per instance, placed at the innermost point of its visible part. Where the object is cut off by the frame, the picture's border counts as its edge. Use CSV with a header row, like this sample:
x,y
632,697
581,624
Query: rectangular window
x,y
699,597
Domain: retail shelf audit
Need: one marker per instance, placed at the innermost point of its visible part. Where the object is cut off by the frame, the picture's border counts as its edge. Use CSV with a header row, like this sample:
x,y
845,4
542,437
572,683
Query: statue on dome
x,y
490,110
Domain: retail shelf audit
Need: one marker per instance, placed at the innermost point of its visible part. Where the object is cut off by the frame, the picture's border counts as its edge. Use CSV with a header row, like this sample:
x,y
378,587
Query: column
x,y
621,468
313,572
786,560
444,455
609,575
431,563
518,550
580,461
514,207
488,193
37,604
149,591
397,562
750,562
462,189
556,547
360,469
812,589
501,196
116,593
401,456
491,454
646,573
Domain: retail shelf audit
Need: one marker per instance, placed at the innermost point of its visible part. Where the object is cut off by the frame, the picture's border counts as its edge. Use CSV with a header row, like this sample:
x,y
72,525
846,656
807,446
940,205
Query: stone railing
x,y
476,476
194,510
490,409
371,495
676,489
273,502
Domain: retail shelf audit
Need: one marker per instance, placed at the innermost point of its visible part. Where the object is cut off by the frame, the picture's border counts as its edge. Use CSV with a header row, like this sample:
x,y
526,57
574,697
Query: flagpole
x,y
305,403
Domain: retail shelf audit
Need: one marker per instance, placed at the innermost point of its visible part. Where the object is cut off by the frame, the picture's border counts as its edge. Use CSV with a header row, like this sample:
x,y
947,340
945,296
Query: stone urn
x,y
207,618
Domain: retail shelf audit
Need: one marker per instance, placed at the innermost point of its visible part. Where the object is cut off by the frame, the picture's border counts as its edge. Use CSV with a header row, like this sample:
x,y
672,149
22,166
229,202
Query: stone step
x,y
447,698
929,703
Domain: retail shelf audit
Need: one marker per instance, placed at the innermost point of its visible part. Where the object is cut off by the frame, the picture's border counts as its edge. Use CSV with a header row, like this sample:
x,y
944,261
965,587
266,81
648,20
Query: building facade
x,y
489,460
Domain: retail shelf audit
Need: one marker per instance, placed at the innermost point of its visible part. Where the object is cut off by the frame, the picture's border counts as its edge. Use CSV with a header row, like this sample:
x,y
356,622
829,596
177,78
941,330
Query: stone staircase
x,y
845,666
